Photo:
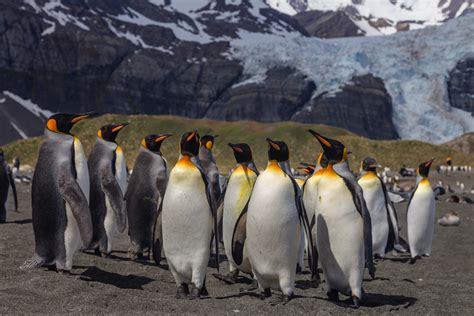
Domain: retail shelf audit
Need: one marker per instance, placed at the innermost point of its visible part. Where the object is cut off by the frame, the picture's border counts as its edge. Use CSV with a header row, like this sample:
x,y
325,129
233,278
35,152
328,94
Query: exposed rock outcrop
x,y
461,86
328,24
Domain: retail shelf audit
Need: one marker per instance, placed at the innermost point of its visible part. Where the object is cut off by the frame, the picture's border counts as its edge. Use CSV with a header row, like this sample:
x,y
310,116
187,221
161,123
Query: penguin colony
x,y
268,219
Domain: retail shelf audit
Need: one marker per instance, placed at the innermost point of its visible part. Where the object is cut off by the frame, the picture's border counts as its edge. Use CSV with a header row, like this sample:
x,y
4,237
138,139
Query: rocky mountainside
x,y
464,143
224,59
340,18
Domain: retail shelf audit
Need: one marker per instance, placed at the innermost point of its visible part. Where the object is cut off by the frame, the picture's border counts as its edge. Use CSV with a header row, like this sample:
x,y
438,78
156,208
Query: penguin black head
x,y
110,132
278,150
208,141
370,164
334,150
323,160
424,167
63,122
153,142
242,152
190,143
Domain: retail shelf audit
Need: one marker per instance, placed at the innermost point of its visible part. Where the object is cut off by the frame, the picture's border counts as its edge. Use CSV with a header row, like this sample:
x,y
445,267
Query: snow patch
x,y
50,29
18,129
30,106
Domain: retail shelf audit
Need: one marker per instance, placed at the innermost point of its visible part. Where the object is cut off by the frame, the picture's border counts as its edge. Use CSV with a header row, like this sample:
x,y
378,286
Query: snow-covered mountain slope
x,y
413,65
377,17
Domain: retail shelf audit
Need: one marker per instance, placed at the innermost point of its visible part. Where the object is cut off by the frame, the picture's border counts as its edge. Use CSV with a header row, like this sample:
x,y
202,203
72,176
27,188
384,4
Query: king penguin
x,y
343,227
60,194
108,173
421,214
275,219
382,212
6,181
189,218
209,165
236,192
145,192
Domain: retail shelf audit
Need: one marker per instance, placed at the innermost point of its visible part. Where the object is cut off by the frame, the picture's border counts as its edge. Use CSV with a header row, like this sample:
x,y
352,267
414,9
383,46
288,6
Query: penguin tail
x,y
33,263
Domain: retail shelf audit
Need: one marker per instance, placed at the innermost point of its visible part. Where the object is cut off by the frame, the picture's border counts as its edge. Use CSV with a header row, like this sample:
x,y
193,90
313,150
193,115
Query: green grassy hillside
x,y
303,146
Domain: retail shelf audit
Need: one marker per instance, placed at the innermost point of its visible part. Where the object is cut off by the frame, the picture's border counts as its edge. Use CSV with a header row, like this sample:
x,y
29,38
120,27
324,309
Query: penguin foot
x,y
355,302
182,291
286,299
33,263
64,271
229,278
250,288
299,270
195,293
104,254
333,296
413,259
266,294
378,257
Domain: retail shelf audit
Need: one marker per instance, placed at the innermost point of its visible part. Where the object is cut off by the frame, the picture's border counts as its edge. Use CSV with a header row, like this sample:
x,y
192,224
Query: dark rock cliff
x,y
461,85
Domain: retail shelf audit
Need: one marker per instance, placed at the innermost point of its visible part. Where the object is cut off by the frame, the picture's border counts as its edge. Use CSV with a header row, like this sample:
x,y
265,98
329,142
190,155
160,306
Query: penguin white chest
x,y
82,170
420,219
237,195
273,230
121,169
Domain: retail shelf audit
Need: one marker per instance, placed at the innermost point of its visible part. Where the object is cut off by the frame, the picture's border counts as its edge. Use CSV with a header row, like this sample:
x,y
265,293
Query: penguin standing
x,y
188,219
6,180
382,213
343,226
275,219
145,192
236,192
60,195
108,174
209,165
421,214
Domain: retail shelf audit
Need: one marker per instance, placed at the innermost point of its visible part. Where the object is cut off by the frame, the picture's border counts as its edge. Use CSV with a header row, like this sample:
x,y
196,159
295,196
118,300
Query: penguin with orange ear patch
x,y
108,173
421,214
145,192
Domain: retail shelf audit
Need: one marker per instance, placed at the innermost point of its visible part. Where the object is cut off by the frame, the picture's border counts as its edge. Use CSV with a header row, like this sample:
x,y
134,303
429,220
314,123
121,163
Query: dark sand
x,y
442,284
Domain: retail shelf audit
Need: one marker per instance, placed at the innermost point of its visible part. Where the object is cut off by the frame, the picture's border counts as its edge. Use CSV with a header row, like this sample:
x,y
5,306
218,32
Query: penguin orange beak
x,y
119,127
273,144
162,137
192,135
235,148
322,140
80,117
429,162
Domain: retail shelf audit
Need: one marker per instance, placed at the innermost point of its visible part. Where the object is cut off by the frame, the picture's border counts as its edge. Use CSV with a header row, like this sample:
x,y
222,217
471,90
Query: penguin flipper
x,y
393,241
73,195
112,190
342,169
13,185
239,236
157,238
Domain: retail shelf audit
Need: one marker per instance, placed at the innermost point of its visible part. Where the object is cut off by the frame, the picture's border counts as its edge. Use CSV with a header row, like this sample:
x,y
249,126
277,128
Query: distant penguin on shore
x,y
60,194
6,181
108,174
144,196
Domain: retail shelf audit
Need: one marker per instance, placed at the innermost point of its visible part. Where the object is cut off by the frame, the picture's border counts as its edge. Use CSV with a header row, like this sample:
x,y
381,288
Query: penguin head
x,y
207,141
153,142
242,152
110,132
424,168
334,150
278,150
63,122
369,164
307,167
322,160
190,143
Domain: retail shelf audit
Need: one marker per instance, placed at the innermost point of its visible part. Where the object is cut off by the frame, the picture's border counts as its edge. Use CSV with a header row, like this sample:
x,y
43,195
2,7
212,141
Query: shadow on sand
x,y
94,274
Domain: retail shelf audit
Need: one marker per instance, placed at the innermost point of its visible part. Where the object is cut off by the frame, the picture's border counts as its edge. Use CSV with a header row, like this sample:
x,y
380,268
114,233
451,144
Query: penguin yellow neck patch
x,y
185,162
273,166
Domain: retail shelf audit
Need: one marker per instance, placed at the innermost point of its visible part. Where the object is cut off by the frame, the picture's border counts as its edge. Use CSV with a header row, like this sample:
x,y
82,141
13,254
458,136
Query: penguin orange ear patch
x,y
52,125
143,143
99,133
209,145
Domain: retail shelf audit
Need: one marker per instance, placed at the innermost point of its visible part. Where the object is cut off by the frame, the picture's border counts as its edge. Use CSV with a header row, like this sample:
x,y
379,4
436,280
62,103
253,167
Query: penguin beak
x,y
119,127
429,162
80,117
192,135
162,137
235,148
321,139
273,144
375,165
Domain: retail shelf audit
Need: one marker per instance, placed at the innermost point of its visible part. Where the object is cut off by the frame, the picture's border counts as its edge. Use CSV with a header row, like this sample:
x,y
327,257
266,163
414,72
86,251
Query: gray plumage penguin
x,y
209,165
6,181
275,220
60,194
189,217
421,214
145,192
382,212
236,195
108,175
343,226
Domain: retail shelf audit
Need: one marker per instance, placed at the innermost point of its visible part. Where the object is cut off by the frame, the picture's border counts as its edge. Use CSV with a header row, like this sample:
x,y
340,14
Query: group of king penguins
x,y
268,219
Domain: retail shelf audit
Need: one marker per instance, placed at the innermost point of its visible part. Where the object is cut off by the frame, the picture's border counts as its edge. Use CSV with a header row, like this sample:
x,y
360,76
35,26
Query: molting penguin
x,y
209,165
189,218
60,195
275,219
421,214
145,192
344,237
236,192
6,180
382,212
108,173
